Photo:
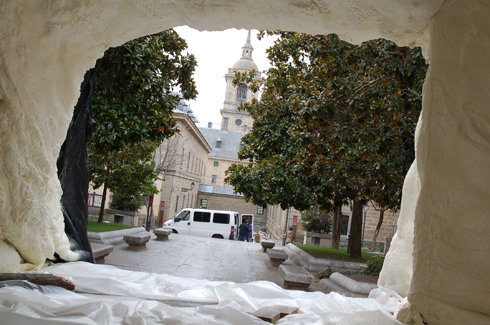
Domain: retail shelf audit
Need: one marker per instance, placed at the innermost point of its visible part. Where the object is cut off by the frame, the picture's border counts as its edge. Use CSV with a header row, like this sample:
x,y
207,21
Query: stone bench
x,y
162,233
295,277
277,256
100,251
138,240
267,244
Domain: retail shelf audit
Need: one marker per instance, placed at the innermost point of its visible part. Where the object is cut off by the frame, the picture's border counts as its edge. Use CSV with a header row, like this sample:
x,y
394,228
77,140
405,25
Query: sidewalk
x,y
199,258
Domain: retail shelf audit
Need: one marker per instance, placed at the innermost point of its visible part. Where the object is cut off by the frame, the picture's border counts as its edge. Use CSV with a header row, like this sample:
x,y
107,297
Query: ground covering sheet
x,y
109,295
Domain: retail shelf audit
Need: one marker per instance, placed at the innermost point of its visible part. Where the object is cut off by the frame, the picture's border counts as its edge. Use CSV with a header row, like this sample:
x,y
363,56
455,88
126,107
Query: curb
x,y
352,285
332,286
313,264
112,237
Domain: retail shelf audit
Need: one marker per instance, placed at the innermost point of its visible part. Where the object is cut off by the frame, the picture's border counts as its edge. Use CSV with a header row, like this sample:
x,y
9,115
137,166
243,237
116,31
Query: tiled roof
x,y
214,189
230,142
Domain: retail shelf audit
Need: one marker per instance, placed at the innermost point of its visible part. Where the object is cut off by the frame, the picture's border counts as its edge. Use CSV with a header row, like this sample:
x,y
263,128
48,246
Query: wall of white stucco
x,y
47,46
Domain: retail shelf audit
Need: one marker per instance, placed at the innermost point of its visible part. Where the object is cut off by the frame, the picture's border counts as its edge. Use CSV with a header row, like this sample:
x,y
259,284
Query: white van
x,y
206,223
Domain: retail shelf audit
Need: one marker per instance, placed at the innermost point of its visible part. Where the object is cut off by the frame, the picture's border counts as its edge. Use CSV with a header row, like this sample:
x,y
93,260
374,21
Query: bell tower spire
x,y
247,49
233,119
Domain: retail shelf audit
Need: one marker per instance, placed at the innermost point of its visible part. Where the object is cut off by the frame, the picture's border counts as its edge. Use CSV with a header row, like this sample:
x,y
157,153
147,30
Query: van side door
x,y
201,224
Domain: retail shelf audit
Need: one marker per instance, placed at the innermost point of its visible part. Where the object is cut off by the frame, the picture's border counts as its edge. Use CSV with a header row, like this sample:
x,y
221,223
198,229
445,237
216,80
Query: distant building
x,y
182,160
226,142
194,161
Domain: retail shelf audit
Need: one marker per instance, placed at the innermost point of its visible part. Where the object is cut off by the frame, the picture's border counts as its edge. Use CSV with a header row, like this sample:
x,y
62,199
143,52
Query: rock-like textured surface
x,y
47,47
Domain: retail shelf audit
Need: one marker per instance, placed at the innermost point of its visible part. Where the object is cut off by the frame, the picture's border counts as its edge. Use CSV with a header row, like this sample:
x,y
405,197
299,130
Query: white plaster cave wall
x,y
47,46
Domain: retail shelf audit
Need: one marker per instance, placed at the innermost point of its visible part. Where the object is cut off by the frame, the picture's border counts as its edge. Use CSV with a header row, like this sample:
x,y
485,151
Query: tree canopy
x,y
134,94
316,220
335,122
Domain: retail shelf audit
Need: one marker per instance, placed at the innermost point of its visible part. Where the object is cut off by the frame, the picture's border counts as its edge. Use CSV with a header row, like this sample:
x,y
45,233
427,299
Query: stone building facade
x,y
182,160
223,198
225,142
231,118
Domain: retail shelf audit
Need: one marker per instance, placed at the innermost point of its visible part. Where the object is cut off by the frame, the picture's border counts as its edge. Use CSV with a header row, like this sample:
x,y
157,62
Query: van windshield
x,y
184,215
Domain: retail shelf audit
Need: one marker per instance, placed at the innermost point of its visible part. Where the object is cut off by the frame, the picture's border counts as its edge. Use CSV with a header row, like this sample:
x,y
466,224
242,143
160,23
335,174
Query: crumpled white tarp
x,y
108,295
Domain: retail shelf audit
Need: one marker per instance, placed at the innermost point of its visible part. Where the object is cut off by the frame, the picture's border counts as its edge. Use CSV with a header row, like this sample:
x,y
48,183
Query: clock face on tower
x,y
238,122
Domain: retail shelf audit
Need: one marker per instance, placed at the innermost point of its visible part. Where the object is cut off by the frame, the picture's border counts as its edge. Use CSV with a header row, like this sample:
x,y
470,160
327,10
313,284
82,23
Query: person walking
x,y
249,231
242,231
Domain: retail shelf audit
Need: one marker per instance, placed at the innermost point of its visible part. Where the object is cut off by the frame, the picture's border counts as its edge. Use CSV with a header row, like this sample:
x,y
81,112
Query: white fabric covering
x,y
126,297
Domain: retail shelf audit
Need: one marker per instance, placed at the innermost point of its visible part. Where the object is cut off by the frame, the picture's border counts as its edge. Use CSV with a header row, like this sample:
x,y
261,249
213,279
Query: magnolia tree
x,y
132,102
335,123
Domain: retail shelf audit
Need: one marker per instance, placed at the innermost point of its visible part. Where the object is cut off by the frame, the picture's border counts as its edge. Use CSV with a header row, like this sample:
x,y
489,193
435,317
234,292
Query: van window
x,y
200,216
184,215
221,218
236,219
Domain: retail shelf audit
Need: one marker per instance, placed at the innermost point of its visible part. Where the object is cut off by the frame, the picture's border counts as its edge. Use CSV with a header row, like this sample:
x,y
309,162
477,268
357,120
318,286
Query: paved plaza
x,y
200,258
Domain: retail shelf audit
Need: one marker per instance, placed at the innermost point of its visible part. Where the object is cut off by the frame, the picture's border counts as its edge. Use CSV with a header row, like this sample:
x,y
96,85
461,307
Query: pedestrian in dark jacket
x,y
242,231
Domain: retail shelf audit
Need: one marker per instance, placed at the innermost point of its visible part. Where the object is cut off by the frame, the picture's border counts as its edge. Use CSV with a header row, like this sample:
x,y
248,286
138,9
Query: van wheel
x,y
217,236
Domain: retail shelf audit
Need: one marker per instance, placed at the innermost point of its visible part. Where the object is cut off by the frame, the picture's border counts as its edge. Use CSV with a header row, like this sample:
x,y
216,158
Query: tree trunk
x,y
378,227
102,205
336,226
356,230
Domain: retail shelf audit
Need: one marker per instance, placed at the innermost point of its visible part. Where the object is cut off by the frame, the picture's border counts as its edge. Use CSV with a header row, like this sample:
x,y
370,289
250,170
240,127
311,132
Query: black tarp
x,y
73,171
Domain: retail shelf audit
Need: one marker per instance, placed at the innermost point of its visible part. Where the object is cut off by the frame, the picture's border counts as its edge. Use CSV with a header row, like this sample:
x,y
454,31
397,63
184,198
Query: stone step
x,y
331,286
352,285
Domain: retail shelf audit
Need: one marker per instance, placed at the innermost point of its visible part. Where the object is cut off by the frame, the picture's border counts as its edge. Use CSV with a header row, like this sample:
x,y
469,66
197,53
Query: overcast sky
x,y
215,53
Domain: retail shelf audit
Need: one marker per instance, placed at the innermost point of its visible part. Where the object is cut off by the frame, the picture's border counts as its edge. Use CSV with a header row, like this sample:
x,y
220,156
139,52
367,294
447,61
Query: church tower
x,y
231,117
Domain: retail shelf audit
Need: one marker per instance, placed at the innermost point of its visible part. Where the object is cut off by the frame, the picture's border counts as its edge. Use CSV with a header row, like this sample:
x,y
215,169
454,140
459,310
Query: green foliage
x,y
339,254
316,220
94,226
335,121
127,200
375,264
324,274
132,107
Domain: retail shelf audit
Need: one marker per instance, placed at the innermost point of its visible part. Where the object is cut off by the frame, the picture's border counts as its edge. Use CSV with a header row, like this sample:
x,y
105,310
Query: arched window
x,y
241,93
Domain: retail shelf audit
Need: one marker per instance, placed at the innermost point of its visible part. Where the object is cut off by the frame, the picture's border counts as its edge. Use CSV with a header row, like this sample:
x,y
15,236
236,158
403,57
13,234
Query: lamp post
x,y
189,189
285,228
365,208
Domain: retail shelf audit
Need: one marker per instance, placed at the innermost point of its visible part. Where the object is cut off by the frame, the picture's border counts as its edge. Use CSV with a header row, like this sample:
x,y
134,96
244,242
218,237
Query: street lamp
x,y
365,208
188,189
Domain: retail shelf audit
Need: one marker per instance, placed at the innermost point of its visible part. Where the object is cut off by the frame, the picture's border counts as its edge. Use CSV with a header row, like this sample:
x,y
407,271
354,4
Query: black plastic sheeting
x,y
73,171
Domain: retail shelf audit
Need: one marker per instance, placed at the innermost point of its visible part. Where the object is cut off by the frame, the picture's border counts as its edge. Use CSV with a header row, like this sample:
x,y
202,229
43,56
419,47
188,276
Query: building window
x,y
94,200
260,210
216,163
224,123
219,143
177,203
214,178
238,122
204,203
241,93
344,225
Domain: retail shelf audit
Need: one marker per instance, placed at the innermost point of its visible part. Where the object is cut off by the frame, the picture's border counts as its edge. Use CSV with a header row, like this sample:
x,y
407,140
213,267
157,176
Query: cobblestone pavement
x,y
200,258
